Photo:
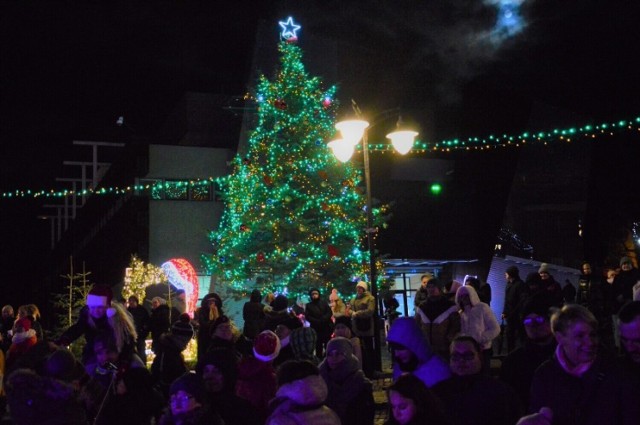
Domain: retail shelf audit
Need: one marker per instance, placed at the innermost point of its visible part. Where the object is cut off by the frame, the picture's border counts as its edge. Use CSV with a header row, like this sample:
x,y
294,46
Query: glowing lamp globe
x,y
352,130
402,140
341,149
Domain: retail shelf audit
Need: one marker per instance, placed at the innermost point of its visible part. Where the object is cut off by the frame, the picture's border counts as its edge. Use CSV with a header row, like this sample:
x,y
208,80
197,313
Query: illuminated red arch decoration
x,y
182,275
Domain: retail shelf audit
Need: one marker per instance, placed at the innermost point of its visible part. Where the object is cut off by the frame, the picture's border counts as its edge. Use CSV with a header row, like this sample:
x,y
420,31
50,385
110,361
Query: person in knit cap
x,y
219,372
283,331
550,285
343,329
210,309
169,362
256,375
160,320
303,342
361,312
101,315
278,313
520,364
318,313
301,396
350,393
225,334
438,317
188,404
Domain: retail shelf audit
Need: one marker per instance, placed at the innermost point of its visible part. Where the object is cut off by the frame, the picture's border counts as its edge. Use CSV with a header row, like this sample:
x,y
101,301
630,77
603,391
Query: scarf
x,y
577,370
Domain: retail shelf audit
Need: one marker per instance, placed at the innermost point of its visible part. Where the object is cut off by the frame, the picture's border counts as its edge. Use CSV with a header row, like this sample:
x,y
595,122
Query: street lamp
x,y
352,132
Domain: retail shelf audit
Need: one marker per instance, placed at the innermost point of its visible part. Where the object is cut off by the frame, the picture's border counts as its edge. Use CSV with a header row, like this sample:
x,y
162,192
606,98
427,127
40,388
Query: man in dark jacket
x,y
471,397
253,315
141,320
514,296
519,366
578,384
318,313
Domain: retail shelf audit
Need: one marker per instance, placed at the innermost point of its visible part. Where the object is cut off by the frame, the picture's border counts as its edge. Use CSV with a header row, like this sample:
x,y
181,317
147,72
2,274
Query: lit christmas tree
x,y
294,215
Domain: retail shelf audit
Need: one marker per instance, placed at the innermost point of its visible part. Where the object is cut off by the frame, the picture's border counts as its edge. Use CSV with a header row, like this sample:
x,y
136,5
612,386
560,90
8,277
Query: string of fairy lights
x,y
565,135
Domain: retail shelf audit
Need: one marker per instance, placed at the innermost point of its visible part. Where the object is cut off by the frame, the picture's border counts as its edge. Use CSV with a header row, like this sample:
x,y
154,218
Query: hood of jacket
x,y
473,295
406,331
308,391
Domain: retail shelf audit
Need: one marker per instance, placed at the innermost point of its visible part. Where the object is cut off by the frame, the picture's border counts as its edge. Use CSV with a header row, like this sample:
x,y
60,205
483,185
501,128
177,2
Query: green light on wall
x,y
435,189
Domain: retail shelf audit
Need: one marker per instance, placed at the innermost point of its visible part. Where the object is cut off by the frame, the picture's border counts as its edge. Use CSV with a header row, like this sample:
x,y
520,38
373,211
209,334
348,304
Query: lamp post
x,y
352,132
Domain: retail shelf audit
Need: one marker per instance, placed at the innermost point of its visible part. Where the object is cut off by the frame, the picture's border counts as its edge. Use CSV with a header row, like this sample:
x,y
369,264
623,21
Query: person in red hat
x,y
101,315
24,337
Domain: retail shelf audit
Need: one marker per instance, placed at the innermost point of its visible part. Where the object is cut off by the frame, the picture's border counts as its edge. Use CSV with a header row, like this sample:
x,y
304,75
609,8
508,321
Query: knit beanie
x,y
344,320
191,384
294,370
303,342
99,296
625,260
266,346
341,345
334,295
513,272
312,290
544,268
182,331
362,284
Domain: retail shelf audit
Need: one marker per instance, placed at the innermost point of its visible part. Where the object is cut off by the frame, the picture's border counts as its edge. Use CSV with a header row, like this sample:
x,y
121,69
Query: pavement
x,y
381,382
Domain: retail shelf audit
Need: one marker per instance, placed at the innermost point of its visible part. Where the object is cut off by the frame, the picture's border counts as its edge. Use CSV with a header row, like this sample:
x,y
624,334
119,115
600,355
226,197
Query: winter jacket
x,y
479,400
350,392
518,367
254,317
514,296
256,383
318,314
440,323
301,402
604,394
477,320
362,308
431,368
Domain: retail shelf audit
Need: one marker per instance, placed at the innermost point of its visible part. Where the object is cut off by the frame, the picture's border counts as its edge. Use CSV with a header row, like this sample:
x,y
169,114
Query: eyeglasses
x,y
533,321
175,399
467,357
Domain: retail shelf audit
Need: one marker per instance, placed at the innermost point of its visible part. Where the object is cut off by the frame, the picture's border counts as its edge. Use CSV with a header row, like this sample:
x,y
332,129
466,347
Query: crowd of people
x,y
573,359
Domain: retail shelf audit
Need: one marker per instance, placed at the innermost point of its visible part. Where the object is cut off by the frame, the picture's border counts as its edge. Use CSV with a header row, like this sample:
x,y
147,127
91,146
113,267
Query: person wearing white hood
x,y
477,321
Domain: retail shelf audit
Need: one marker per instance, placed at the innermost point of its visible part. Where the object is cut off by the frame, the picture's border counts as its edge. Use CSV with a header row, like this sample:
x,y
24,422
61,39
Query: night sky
x,y
69,69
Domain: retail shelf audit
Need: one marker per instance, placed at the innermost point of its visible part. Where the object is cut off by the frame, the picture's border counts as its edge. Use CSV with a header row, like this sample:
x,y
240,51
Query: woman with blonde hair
x,y
100,315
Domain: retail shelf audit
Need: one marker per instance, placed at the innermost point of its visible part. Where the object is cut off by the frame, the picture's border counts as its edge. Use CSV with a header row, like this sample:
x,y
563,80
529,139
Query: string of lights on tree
x,y
293,214
565,135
